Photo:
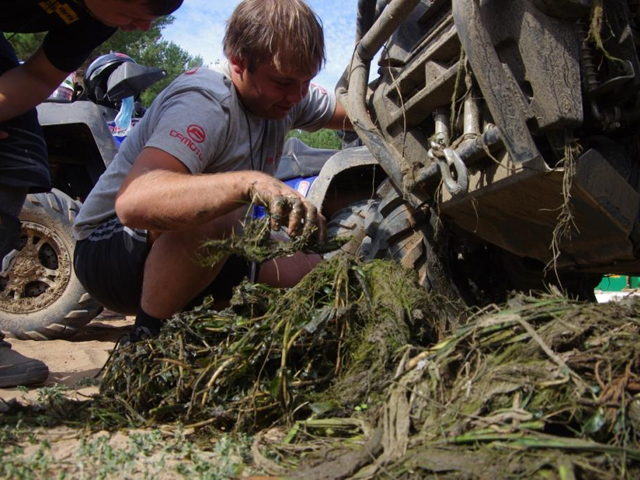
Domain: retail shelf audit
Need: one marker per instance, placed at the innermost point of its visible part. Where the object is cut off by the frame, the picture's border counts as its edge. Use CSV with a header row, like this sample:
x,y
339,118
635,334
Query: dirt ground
x,y
65,452
70,361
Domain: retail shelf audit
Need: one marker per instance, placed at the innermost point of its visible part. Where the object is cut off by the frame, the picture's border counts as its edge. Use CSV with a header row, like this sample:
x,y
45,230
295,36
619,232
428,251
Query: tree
x,y
146,48
321,139
25,44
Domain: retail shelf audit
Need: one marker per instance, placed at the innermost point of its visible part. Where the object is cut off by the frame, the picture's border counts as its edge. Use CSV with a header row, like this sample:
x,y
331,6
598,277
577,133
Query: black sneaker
x,y
136,335
16,369
9,242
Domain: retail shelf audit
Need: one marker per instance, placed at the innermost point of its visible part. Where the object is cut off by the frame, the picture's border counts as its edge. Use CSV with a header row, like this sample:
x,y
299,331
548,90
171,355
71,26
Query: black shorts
x,y
23,155
110,266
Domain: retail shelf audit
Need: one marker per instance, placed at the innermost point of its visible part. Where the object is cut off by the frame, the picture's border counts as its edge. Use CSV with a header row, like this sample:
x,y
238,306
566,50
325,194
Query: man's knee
x,y
190,239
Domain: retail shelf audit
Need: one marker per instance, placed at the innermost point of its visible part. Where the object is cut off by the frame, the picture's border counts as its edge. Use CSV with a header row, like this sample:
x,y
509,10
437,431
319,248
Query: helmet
x,y
97,74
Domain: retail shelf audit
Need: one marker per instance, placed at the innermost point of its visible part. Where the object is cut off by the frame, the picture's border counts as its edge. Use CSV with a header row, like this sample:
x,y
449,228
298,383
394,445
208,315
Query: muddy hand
x,y
287,208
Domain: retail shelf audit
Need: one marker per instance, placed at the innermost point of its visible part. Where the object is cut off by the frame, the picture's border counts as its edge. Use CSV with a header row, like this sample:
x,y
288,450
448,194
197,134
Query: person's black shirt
x,y
73,32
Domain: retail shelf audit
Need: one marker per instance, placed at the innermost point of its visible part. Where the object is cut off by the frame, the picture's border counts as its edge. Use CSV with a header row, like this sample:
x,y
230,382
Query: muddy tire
x,y
449,264
400,232
41,298
349,222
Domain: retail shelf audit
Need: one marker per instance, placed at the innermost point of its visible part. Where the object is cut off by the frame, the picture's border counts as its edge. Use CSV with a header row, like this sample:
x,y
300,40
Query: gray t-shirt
x,y
200,120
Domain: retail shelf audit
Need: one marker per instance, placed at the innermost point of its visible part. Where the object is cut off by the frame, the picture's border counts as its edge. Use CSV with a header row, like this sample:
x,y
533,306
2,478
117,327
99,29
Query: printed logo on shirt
x,y
63,10
196,133
192,71
188,142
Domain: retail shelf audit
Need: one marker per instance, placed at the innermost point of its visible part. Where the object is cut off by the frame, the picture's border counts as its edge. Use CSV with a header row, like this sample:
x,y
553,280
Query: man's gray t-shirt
x,y
200,120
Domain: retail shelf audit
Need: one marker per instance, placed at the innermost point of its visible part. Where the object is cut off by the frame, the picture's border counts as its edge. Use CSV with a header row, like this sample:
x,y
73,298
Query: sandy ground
x,y
82,357
70,361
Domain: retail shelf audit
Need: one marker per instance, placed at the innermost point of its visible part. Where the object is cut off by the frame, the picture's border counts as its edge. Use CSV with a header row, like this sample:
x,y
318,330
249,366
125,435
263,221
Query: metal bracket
x,y
451,160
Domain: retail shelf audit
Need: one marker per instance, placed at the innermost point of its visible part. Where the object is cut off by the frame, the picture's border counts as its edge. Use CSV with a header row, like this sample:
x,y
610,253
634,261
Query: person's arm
x,y
339,120
28,85
160,194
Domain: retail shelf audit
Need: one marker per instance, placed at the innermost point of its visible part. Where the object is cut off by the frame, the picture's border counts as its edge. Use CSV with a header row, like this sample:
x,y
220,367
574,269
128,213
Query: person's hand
x,y
287,207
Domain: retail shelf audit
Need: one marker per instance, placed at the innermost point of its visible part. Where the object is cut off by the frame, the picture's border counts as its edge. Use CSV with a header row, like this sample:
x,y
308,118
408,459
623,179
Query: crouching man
x,y
206,149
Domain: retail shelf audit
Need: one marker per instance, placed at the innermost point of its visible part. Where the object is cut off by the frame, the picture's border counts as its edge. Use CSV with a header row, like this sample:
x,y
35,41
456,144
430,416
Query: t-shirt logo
x,y
63,10
196,133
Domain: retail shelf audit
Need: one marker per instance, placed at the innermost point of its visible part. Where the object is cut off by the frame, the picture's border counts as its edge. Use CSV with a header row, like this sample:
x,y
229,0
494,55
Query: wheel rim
x,y
41,272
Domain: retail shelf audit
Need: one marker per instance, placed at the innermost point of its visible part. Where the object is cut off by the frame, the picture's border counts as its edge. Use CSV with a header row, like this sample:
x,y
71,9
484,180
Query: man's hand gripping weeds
x,y
287,207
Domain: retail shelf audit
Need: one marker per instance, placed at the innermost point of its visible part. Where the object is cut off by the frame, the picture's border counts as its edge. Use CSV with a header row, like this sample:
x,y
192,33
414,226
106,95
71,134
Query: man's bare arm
x,y
160,194
339,120
28,85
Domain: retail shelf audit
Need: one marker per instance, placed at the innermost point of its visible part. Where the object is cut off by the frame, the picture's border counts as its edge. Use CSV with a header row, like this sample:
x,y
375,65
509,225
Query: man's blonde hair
x,y
285,32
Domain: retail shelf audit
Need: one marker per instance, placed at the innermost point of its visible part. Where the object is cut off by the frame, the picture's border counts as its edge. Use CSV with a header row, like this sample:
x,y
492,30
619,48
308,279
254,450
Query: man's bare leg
x,y
172,276
286,272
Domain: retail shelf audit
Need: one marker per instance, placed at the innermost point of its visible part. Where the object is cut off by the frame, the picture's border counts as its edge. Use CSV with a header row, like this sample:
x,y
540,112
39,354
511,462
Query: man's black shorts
x,y
110,266
23,155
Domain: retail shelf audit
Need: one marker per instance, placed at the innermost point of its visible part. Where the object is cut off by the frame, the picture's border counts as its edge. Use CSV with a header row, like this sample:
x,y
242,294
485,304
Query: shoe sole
x,y
7,262
32,376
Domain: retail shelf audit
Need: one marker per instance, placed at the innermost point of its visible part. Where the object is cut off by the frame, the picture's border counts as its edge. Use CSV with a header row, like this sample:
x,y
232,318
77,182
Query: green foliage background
x,y
146,48
321,139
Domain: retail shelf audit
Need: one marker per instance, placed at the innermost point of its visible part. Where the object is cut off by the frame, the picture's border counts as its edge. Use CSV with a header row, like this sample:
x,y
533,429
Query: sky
x,y
199,27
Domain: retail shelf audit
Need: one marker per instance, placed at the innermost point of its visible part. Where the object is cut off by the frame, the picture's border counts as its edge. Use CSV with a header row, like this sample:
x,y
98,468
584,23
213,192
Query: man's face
x,y
123,14
267,92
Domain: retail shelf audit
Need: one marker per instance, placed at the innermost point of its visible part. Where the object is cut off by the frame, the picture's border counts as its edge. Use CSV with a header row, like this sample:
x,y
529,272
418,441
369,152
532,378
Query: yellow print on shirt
x,y
63,10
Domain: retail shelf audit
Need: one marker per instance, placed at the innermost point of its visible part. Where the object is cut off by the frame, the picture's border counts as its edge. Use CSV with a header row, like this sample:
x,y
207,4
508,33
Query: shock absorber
x,y
587,57
608,120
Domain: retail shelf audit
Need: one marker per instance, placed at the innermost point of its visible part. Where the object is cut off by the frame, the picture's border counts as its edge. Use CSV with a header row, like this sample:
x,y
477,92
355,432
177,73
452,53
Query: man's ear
x,y
237,65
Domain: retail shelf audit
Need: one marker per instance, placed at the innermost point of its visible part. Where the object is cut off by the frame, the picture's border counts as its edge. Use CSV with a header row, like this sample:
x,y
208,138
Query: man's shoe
x,y
16,369
136,335
9,242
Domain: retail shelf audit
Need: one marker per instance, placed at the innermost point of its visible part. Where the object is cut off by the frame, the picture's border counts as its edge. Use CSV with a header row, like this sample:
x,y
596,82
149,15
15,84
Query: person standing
x,y
74,28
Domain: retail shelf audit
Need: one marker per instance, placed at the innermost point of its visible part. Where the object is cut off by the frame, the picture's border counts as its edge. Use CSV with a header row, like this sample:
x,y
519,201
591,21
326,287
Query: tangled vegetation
x,y
542,386
275,356
359,372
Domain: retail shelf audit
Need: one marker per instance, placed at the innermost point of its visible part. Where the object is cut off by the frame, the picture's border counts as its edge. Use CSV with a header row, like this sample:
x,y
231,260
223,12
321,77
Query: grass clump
x,y
541,386
274,353
257,244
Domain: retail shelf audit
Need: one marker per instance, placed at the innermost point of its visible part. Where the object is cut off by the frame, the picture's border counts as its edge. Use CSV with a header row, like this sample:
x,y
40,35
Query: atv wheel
x,y
349,223
398,231
451,265
446,264
41,298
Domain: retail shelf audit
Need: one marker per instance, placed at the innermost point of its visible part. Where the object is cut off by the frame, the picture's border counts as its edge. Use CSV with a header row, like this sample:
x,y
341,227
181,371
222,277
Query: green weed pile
x,y
541,386
276,355
359,372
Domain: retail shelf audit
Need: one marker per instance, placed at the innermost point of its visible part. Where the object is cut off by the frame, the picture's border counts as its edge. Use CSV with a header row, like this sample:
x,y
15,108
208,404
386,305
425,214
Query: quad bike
x,y
507,131
41,297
